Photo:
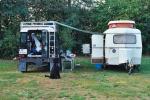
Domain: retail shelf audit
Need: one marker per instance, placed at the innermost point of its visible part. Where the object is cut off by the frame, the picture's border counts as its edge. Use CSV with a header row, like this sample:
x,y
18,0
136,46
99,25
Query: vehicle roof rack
x,y
43,23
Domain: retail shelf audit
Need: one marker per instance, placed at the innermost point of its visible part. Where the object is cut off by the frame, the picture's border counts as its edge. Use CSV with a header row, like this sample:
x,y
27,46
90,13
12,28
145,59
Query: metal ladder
x,y
52,44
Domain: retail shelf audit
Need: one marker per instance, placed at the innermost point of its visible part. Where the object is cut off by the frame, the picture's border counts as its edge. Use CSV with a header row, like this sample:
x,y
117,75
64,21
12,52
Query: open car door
x,y
44,43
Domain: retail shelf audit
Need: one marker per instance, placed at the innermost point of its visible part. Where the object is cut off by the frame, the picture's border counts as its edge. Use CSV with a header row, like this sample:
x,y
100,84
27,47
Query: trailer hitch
x,y
130,66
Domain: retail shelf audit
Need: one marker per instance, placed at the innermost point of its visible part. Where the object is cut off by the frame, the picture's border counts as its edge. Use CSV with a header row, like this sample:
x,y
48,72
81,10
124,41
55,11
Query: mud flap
x,y
22,66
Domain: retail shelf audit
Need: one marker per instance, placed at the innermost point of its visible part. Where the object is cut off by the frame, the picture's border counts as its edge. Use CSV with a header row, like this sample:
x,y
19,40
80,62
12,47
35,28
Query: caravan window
x,y
124,39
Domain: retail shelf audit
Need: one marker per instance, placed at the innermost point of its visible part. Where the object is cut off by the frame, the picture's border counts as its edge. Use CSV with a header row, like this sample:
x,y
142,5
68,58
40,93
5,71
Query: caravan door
x,y
97,49
44,43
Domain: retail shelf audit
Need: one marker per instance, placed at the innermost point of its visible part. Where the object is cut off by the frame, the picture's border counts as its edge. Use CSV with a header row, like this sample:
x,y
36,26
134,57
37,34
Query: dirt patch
x,y
23,80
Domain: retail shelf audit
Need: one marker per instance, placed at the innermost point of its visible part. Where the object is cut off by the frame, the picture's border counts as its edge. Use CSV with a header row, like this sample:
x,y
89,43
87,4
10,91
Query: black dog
x,y
55,70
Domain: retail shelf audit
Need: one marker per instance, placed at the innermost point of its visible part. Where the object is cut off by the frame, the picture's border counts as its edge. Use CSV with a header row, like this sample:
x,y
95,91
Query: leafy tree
x,y
12,12
137,10
84,14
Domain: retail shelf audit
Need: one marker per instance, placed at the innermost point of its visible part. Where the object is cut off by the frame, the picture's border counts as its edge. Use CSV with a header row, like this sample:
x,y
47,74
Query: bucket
x,y
98,66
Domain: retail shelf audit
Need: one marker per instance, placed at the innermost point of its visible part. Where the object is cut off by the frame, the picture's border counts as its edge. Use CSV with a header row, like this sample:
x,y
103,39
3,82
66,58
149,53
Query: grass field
x,y
84,83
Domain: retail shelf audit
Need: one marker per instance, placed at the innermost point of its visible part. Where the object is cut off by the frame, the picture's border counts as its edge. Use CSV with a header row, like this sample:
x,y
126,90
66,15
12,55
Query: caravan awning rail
x,y
52,24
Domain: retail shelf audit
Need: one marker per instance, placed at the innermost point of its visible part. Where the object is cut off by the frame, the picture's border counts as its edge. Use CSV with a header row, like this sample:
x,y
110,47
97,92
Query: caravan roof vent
x,y
121,24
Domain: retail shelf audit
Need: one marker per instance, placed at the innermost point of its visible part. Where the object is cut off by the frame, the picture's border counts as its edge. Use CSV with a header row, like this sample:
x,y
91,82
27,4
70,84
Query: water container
x,y
98,66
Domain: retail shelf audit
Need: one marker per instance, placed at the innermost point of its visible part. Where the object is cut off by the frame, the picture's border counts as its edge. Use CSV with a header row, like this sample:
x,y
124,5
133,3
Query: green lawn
x,y
85,83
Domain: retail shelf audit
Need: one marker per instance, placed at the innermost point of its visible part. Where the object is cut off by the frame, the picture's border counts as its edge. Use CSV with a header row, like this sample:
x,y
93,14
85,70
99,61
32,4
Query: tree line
x,y
90,15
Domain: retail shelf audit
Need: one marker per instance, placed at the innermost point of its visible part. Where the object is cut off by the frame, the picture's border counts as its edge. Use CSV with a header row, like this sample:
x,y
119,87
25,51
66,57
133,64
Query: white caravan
x,y
121,44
